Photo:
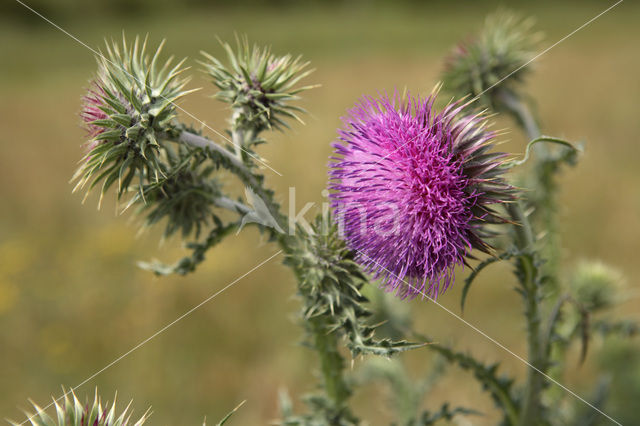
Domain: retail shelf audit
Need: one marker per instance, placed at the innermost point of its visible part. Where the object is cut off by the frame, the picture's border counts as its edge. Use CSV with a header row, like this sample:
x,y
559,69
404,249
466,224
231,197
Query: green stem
x,y
523,232
237,135
544,197
331,363
198,141
531,408
232,205
538,353
325,343
522,114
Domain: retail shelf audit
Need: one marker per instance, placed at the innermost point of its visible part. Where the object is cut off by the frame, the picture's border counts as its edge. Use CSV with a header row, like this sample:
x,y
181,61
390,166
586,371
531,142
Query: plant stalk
x,y
531,408
331,363
531,291
232,205
198,141
522,114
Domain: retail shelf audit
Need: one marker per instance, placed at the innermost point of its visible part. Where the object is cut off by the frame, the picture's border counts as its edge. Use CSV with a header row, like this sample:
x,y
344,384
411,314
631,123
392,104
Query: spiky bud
x,y
259,85
130,103
596,285
502,50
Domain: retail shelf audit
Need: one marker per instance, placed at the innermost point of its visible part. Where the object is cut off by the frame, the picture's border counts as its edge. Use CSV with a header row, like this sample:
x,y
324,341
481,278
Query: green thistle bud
x,y
131,102
73,413
596,285
498,58
259,85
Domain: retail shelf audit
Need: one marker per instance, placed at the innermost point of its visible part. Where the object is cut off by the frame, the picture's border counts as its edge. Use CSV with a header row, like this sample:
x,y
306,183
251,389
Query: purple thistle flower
x,y
97,111
412,190
91,109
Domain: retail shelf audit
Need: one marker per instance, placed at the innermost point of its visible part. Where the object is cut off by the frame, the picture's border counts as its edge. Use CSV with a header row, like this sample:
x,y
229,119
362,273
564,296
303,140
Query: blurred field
x,y
72,299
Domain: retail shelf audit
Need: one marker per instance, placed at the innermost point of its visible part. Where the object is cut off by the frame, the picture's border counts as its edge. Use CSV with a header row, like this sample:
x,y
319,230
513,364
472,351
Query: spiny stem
x,y
332,364
531,294
531,408
522,227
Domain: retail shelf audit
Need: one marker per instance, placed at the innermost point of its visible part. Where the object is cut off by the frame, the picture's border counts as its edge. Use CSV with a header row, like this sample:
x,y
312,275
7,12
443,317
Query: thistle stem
x,y
237,135
524,239
331,363
531,408
521,112
522,227
198,141
232,205
531,294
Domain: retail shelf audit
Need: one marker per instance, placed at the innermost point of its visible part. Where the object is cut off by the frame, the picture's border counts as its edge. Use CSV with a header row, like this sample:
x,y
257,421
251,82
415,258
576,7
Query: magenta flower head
x,y
91,113
413,190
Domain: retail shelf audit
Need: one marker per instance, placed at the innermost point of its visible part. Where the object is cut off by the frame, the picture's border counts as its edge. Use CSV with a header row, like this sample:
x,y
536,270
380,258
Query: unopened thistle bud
x,y
497,58
413,190
259,85
596,285
131,101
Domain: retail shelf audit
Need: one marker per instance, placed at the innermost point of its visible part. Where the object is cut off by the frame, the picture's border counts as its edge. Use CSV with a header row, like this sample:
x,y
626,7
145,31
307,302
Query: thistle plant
x,y
416,191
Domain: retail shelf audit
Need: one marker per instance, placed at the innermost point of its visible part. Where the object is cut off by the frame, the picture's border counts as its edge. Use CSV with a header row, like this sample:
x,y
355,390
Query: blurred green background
x,y
72,299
